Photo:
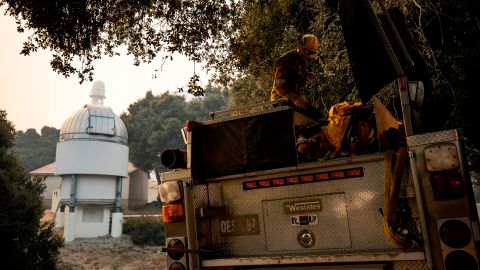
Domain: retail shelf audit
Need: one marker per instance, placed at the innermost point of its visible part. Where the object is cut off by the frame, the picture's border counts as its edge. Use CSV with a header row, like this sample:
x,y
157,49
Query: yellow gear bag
x,y
339,116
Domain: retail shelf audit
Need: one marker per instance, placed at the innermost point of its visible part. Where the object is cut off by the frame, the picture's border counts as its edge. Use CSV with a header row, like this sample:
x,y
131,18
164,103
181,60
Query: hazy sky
x,y
35,96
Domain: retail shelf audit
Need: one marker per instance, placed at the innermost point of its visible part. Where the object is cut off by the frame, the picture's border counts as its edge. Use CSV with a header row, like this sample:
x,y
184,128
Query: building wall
x,y
125,187
138,189
91,221
51,182
102,187
97,187
55,200
91,157
124,196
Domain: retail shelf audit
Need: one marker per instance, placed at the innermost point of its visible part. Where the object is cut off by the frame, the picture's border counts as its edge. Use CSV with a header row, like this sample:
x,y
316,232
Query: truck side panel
x,y
344,216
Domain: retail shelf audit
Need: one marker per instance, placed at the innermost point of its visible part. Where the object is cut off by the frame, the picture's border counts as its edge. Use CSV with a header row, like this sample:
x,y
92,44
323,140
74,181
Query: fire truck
x,y
238,197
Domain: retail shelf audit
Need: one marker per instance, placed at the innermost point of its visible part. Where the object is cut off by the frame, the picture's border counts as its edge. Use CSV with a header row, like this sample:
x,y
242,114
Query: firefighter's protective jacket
x,y
290,74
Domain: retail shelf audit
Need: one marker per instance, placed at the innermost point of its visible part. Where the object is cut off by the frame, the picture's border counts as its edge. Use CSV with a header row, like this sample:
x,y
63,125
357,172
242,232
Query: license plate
x,y
298,220
239,225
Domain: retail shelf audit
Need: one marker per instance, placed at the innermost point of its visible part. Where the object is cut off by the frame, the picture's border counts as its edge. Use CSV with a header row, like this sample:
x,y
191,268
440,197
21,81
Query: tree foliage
x,y
79,32
154,124
148,120
25,242
35,150
200,107
241,39
447,31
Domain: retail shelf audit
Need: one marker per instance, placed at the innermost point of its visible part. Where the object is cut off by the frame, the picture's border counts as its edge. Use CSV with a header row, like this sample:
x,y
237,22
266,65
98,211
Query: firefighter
x,y
291,71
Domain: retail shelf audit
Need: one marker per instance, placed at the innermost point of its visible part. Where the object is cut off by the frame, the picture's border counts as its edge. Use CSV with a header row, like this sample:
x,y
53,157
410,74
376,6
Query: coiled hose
x,y
394,167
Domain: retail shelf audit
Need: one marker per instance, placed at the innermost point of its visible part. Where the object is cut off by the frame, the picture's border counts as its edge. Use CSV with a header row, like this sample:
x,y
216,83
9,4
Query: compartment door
x,y
317,222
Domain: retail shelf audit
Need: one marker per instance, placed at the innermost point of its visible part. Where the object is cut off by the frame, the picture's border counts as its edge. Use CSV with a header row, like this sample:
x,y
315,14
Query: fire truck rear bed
x,y
324,212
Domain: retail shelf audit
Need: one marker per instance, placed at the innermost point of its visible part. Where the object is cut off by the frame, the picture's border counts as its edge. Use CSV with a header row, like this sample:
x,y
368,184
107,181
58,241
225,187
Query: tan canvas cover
x,y
339,116
383,118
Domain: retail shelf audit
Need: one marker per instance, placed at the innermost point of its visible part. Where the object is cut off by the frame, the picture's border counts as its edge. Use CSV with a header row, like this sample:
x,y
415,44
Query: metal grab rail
x,y
257,107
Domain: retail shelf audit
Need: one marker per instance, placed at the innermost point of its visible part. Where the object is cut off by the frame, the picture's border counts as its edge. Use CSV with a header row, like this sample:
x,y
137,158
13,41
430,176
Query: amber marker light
x,y
337,174
292,180
250,185
355,172
306,178
303,179
322,176
278,182
172,213
264,183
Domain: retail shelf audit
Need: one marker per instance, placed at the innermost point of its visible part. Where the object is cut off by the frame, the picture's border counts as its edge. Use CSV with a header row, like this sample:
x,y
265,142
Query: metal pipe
x,y
213,115
421,212
404,97
174,158
405,102
118,194
73,193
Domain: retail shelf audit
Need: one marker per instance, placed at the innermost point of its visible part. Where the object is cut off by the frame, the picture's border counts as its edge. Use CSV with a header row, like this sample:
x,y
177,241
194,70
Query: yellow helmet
x,y
307,45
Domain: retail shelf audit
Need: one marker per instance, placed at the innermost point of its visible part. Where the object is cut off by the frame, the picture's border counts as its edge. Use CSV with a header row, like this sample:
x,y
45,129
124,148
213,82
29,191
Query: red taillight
x,y
175,249
460,259
455,233
188,126
173,213
457,244
177,266
447,185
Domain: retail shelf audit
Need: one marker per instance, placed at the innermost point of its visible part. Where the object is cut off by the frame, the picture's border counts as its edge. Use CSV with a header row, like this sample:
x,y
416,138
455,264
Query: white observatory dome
x,y
94,122
93,140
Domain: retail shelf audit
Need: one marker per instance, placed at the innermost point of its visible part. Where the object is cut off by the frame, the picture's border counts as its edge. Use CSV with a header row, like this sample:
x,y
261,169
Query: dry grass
x,y
108,252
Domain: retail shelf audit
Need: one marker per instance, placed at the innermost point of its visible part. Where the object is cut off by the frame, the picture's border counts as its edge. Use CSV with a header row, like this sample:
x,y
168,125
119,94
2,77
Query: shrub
x,y
145,230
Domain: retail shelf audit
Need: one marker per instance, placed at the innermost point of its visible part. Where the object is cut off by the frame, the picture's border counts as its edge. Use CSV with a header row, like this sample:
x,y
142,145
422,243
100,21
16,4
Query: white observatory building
x,y
91,159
